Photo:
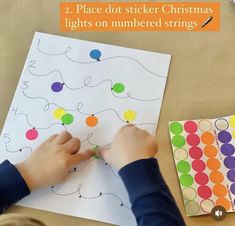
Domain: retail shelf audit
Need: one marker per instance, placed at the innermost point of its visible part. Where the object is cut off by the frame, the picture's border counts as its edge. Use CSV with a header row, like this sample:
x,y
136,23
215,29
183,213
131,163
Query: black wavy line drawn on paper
x,y
86,83
39,128
79,169
29,149
79,107
82,196
68,49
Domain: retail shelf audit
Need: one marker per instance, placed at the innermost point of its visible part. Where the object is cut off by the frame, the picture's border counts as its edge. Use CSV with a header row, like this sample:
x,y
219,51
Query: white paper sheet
x,y
93,89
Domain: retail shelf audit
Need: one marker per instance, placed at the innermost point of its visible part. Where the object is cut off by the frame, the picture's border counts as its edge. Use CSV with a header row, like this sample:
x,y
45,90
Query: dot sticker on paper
x,y
204,192
195,152
176,128
227,149
210,151
193,139
232,121
204,154
201,178
186,180
190,127
216,177
183,167
224,137
223,202
178,141
207,138
198,165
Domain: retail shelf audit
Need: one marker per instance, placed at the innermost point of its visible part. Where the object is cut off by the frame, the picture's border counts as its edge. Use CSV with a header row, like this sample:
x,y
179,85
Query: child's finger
x,y
80,157
105,154
73,145
63,137
51,138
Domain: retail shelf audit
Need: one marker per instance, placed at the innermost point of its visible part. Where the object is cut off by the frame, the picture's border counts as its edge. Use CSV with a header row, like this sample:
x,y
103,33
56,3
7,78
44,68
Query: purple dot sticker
x,y
232,189
231,175
229,162
57,86
224,137
227,149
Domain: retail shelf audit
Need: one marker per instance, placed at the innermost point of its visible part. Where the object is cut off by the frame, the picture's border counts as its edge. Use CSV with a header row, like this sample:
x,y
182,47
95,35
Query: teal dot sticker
x,y
183,167
178,141
186,180
176,128
118,88
67,119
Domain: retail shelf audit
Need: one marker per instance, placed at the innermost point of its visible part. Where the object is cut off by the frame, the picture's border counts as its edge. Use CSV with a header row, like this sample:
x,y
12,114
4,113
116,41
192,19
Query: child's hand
x,y
50,162
130,144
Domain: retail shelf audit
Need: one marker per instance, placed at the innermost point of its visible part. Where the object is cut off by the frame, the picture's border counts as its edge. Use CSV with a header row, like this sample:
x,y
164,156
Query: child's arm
x,y
152,203
47,165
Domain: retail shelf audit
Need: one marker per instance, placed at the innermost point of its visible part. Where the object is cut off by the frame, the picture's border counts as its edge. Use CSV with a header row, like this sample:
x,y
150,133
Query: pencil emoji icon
x,y
207,21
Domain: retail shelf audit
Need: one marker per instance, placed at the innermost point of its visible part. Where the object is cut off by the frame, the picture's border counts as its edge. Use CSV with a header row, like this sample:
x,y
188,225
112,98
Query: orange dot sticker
x,y
216,177
210,151
220,190
92,121
213,164
207,138
223,202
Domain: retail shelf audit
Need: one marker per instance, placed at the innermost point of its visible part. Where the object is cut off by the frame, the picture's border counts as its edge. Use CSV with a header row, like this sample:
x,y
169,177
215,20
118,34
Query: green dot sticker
x,y
186,180
176,128
95,154
178,141
118,88
67,119
183,167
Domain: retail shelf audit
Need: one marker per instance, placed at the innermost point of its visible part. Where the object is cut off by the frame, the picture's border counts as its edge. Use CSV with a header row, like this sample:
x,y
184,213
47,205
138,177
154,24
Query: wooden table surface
x,y
201,80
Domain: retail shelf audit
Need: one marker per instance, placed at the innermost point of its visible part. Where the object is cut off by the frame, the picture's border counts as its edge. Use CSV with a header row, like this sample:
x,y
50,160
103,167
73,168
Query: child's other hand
x,y
50,162
130,144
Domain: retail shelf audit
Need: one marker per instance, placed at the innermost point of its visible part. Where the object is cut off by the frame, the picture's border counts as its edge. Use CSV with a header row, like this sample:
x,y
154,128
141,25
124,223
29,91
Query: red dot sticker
x,y
190,127
201,178
195,152
204,192
193,139
31,134
198,165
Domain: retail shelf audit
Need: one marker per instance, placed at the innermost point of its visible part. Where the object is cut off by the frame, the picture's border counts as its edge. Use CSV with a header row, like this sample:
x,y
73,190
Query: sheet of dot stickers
x,y
205,162
91,90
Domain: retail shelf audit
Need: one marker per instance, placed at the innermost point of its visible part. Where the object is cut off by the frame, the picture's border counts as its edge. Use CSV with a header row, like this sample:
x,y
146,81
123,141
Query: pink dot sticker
x,y
190,127
32,134
198,165
204,192
201,178
193,139
195,152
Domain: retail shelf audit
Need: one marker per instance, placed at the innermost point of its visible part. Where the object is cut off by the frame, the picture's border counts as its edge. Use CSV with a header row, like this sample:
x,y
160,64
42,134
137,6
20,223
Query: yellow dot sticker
x,y
58,113
130,115
232,121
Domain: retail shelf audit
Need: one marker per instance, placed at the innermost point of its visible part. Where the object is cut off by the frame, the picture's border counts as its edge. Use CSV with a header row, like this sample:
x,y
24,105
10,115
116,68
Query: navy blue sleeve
x,y
12,185
152,202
